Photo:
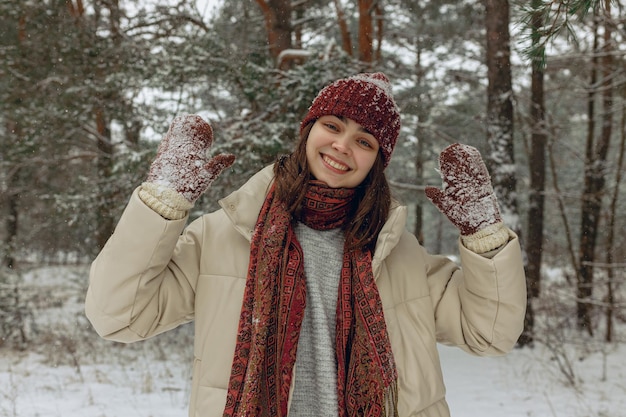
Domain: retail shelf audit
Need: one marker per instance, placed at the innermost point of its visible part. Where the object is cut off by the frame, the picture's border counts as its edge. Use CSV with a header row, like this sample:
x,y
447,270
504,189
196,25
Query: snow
x,y
34,388
527,383
69,371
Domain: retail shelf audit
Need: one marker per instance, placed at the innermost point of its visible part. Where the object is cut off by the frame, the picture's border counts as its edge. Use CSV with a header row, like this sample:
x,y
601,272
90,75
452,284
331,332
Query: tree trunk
x,y
537,163
346,40
104,163
277,15
612,216
537,168
379,18
594,181
75,10
419,175
500,159
419,133
10,222
582,275
10,196
366,31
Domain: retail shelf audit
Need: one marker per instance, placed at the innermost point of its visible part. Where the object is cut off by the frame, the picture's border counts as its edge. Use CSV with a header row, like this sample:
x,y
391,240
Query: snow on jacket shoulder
x,y
154,274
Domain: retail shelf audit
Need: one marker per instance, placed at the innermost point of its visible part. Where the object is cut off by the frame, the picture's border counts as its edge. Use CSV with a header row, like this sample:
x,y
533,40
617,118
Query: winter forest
x,y
88,88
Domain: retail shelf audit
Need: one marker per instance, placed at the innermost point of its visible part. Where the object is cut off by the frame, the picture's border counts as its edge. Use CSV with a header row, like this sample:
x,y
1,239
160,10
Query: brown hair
x,y
372,199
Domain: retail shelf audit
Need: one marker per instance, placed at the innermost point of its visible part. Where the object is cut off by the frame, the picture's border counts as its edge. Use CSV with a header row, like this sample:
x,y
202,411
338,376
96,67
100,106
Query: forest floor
x,y
67,370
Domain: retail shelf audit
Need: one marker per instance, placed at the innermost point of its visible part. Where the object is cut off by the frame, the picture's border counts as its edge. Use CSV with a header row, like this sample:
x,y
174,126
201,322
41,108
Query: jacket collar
x,y
390,234
243,206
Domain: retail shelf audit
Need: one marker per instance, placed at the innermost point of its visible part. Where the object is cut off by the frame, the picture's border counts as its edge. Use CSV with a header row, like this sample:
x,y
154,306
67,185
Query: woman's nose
x,y
341,144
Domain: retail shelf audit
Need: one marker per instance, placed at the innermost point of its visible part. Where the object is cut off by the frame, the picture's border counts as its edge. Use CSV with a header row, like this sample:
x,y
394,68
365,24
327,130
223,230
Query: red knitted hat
x,y
366,99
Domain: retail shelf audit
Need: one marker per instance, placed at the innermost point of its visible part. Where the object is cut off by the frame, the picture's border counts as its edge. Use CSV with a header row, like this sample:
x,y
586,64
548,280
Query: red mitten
x,y
182,171
467,198
182,163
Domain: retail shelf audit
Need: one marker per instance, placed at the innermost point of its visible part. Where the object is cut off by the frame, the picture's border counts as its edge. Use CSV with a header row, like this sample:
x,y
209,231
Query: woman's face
x,y
340,152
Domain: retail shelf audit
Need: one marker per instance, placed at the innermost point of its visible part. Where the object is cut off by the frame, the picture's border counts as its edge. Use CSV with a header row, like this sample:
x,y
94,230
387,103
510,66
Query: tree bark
x,y
612,216
277,15
420,135
366,31
105,160
346,40
537,161
500,158
378,16
595,178
104,163
76,10
537,168
10,204
10,196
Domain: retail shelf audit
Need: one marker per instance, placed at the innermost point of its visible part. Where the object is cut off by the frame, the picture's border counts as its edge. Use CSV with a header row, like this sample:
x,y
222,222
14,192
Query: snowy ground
x,y
70,372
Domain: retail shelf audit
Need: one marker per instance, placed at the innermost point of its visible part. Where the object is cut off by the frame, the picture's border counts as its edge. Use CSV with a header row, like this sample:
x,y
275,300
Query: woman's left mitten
x,y
467,198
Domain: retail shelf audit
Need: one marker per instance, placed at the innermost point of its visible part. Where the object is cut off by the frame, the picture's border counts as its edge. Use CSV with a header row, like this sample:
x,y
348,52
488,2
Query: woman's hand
x,y
182,163
467,197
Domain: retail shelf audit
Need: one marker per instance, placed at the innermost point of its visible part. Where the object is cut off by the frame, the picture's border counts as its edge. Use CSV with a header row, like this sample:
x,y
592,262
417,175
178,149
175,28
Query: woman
x,y
309,296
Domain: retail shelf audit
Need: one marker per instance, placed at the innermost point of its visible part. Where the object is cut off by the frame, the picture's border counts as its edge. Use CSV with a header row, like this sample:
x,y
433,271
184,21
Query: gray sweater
x,y
315,389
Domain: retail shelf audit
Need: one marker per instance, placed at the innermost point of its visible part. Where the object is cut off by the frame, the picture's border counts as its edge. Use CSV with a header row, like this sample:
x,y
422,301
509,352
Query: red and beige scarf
x,y
273,309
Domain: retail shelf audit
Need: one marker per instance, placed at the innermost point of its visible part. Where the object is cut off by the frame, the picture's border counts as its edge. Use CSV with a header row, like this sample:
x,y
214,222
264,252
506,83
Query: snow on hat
x,y
365,98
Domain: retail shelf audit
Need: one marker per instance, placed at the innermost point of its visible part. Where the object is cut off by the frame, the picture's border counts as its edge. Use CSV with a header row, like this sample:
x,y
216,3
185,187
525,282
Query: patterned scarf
x,y
273,309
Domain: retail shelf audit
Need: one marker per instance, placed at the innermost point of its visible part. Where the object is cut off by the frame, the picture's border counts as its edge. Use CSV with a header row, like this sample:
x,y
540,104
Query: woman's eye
x,y
365,143
331,126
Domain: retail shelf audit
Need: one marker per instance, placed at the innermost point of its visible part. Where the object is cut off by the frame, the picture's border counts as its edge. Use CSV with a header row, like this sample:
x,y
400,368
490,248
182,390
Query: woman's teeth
x,y
335,164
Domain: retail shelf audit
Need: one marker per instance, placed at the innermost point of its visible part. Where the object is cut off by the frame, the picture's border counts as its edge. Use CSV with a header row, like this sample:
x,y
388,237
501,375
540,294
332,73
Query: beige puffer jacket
x,y
150,278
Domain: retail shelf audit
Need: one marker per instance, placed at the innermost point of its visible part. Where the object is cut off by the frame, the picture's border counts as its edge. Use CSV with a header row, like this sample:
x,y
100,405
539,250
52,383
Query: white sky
x,y
206,6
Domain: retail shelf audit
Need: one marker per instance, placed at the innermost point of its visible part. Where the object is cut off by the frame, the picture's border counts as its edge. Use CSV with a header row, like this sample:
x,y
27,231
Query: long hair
x,y
372,199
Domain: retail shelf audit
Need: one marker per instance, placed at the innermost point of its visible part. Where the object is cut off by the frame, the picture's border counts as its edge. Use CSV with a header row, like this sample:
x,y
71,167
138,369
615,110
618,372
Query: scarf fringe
x,y
390,400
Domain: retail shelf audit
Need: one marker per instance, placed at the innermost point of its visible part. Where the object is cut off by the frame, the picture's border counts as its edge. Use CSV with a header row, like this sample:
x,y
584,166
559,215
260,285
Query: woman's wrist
x,y
165,201
487,239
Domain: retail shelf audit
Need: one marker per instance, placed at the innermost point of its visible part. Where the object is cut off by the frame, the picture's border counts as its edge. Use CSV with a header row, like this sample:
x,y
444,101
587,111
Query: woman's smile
x,y
335,164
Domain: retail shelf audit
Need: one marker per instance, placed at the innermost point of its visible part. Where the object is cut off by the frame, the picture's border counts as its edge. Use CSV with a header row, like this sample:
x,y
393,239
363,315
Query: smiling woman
x,y
309,295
